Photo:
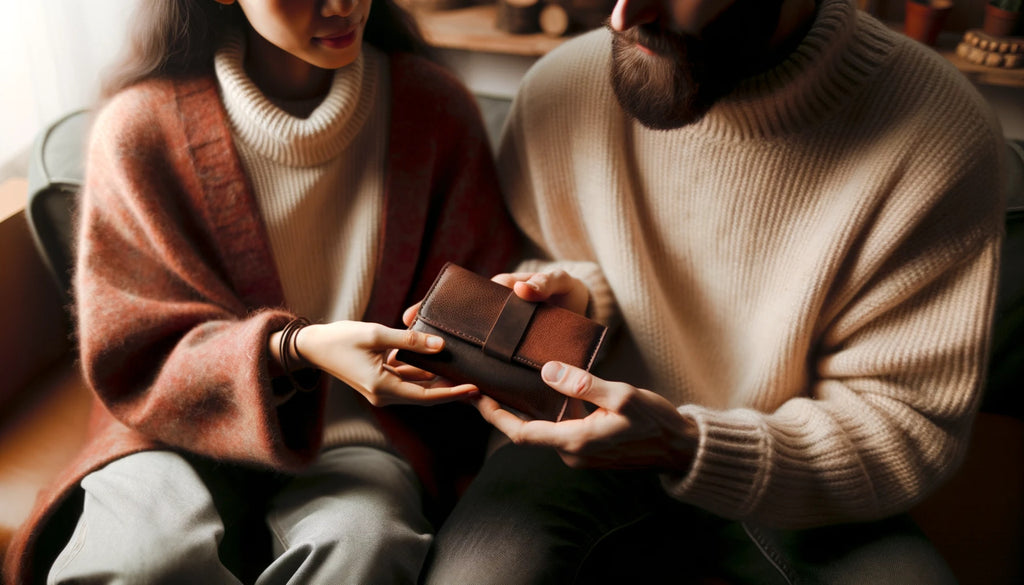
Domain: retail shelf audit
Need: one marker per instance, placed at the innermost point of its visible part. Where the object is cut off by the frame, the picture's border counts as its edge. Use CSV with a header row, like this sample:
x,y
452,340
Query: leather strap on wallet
x,y
509,328
499,342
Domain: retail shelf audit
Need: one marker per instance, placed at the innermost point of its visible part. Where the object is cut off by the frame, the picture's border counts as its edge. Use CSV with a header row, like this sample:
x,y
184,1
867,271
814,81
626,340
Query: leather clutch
x,y
499,342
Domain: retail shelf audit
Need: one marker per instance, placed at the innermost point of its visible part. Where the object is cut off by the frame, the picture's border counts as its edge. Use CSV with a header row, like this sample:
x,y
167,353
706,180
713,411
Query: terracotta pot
x,y
924,21
999,22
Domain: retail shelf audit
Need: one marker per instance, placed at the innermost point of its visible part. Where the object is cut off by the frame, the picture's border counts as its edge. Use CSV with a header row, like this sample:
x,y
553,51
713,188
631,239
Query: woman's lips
x,y
339,40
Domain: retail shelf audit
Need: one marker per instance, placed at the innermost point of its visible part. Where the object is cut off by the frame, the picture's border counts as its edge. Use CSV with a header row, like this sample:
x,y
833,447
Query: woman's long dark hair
x,y
177,38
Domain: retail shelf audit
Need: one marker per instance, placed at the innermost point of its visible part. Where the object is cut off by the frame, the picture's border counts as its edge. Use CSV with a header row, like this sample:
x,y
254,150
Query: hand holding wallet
x,y
499,342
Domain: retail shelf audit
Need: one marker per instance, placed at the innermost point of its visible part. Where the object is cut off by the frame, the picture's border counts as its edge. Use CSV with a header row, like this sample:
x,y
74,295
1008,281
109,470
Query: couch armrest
x,y
39,435
44,403
35,332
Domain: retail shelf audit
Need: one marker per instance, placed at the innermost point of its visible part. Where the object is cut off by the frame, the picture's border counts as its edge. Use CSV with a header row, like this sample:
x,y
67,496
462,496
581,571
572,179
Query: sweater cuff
x,y
731,466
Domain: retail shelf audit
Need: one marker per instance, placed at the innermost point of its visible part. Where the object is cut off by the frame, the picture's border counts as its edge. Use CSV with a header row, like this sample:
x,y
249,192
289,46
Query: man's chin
x,y
661,94
659,112
657,117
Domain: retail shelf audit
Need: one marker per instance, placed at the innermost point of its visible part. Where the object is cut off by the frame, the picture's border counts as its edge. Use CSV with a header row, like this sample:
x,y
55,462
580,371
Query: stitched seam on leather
x,y
430,293
428,302
456,332
597,346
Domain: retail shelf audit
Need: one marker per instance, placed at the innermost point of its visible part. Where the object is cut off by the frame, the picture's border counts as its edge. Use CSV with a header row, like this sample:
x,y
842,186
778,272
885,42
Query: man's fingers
x,y
558,287
567,436
510,278
577,383
549,284
528,291
486,405
537,285
519,431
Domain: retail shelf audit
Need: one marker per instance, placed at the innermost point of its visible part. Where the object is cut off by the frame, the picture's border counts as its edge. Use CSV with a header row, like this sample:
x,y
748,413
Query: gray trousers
x,y
354,516
527,519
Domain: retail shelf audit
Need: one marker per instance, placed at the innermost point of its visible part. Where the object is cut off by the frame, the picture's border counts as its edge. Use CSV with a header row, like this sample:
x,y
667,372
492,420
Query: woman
x,y
257,167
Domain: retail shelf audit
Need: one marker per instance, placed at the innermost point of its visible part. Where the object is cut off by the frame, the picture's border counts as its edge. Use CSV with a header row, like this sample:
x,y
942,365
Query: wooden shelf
x,y
978,74
981,75
472,29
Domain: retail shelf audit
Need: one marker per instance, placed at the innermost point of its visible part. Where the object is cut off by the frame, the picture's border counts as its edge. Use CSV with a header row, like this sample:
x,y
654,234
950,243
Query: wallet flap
x,y
467,305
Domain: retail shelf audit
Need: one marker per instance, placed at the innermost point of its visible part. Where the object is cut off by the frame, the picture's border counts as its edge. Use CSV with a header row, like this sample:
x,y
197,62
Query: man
x,y
794,216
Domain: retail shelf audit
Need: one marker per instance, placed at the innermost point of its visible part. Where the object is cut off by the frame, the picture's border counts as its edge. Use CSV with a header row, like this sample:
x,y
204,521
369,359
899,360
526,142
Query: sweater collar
x,y
842,49
274,133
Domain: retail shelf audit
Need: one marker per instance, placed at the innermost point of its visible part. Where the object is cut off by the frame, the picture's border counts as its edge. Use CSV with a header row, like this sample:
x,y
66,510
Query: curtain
x,y
54,52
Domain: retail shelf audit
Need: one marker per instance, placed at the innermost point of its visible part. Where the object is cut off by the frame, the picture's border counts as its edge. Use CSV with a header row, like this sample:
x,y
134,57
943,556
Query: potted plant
x,y
924,19
1002,17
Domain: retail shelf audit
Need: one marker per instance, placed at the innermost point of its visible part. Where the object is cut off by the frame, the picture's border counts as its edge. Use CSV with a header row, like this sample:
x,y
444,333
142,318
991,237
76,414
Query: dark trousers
x,y
529,519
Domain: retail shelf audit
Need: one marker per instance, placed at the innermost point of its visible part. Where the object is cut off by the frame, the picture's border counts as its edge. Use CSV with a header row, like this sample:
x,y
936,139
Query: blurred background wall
x,y
52,53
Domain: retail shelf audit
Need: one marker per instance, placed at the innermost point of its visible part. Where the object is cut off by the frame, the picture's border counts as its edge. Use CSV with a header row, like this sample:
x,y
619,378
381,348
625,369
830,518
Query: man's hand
x,y
556,287
630,429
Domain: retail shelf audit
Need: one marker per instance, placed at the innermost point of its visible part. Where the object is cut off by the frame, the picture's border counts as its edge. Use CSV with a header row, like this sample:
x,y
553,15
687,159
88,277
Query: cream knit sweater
x,y
319,183
808,272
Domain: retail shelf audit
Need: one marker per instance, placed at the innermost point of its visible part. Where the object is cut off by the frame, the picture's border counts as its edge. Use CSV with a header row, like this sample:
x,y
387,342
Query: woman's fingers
x,y
381,338
393,390
412,373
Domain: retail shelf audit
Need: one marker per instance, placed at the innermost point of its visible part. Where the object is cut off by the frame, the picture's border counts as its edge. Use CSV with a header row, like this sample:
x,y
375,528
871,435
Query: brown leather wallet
x,y
499,342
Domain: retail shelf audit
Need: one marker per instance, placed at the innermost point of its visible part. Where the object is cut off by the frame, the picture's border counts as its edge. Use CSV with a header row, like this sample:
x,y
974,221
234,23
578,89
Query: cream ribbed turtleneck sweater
x,y
319,184
808,272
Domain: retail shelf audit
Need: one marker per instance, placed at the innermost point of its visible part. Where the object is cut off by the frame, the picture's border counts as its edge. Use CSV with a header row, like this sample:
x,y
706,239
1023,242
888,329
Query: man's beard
x,y
665,90
687,75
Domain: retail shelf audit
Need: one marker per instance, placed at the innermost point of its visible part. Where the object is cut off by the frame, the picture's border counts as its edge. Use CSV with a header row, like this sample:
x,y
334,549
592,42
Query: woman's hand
x,y
356,353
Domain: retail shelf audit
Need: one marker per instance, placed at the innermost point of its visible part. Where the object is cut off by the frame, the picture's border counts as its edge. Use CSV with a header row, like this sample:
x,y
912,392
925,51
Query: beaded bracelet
x,y
305,378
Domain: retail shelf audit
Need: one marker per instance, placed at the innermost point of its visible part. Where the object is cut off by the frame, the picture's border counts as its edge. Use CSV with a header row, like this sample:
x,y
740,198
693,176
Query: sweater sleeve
x,y
896,376
886,419
168,346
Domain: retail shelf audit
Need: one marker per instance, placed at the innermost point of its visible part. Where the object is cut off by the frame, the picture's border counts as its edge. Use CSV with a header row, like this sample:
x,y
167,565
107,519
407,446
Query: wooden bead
x,y
518,16
554,20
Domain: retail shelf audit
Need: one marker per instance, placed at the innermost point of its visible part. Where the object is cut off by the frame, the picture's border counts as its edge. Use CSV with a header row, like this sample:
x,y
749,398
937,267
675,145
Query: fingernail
x,y
552,371
434,342
533,285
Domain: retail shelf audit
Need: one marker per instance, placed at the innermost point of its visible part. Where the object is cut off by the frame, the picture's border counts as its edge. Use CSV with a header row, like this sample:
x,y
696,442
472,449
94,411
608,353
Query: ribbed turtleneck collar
x,y
282,137
842,49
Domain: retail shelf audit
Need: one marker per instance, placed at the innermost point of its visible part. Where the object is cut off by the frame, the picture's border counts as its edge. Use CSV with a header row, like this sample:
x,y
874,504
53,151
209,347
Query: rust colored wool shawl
x,y
177,290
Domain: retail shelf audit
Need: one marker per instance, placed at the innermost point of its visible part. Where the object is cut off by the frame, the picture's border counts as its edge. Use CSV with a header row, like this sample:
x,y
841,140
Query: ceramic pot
x,y
924,21
999,22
